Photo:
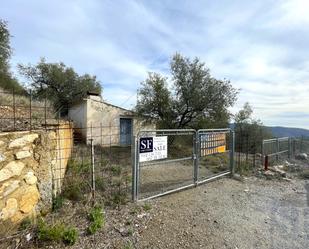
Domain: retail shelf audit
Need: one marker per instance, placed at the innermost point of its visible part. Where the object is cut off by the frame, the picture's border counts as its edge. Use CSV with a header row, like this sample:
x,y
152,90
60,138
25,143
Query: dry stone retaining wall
x,y
32,166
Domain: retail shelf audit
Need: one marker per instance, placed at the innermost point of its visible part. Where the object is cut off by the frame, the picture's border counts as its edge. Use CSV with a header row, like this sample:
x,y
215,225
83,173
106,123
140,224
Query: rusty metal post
x,y
266,163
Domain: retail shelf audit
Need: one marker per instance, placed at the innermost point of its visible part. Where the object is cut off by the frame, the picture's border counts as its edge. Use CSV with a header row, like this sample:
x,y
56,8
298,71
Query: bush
x,y
116,170
129,245
96,218
74,192
119,198
70,236
25,224
146,206
100,184
57,232
57,202
78,167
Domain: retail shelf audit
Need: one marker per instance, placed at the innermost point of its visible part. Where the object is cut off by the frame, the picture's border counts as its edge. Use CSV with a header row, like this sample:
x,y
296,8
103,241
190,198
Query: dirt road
x,y
256,213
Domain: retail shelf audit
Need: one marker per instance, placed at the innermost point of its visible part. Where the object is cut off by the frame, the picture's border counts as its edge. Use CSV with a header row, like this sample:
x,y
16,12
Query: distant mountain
x,y
279,131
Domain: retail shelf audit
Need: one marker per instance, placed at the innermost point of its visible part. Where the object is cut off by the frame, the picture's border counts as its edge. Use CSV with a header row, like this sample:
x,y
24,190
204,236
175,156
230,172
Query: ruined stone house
x,y
106,124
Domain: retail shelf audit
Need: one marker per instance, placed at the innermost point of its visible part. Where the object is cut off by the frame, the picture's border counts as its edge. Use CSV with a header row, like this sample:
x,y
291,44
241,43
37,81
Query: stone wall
x,y
32,166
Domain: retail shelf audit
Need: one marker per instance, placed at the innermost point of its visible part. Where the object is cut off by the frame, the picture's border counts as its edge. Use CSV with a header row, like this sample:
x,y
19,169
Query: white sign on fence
x,y
152,148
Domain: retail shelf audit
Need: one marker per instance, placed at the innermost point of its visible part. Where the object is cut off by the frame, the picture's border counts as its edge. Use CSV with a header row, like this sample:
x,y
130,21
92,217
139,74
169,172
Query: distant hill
x,y
279,131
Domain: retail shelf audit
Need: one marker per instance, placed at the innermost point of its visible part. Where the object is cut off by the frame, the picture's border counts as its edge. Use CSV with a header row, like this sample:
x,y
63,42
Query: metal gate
x,y
187,158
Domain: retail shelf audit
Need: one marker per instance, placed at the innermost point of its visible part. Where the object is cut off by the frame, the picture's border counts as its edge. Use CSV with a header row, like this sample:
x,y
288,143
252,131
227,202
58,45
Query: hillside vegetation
x,y
279,131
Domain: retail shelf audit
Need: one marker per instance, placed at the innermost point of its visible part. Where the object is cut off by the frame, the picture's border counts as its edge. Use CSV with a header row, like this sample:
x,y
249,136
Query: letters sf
x,y
146,145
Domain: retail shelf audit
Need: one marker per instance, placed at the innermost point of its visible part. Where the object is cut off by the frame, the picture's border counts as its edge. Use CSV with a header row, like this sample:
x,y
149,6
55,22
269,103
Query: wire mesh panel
x,y
276,150
300,145
98,167
167,171
213,152
24,112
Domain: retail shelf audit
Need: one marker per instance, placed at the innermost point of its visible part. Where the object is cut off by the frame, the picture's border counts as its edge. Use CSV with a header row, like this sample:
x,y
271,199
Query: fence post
x,y
92,171
232,152
133,155
137,169
262,153
30,110
278,150
289,147
196,152
266,163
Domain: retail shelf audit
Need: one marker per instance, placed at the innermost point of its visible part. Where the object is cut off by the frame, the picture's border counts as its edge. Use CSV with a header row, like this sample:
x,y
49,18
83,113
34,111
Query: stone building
x,y
106,124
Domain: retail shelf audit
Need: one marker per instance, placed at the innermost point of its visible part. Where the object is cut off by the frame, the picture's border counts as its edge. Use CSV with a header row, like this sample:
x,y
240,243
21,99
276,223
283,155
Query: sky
x,y
262,47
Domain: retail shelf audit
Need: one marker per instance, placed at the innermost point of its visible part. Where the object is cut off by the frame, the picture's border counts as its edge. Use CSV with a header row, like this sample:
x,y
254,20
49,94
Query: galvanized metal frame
x,y
278,152
195,157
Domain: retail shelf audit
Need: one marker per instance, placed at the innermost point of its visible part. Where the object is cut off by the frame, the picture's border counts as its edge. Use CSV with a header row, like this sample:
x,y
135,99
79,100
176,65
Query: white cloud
x,y
294,13
260,45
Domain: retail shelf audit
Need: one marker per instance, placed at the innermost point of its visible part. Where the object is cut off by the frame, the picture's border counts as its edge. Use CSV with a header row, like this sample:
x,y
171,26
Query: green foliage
x,y
135,210
147,206
130,232
216,163
57,202
79,167
129,245
97,220
5,47
25,224
74,192
116,170
244,168
61,84
197,99
70,236
50,233
7,81
57,232
100,183
119,198
128,222
75,185
249,131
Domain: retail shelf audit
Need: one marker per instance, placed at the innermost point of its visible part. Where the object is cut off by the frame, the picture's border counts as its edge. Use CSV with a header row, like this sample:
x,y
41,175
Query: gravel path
x,y
227,213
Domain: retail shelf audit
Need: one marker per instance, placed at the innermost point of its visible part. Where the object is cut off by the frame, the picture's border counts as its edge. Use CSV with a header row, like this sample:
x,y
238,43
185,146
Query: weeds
x,y
116,170
147,206
57,202
57,232
119,198
97,220
129,245
70,236
100,184
135,210
25,224
128,223
77,167
130,232
73,193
